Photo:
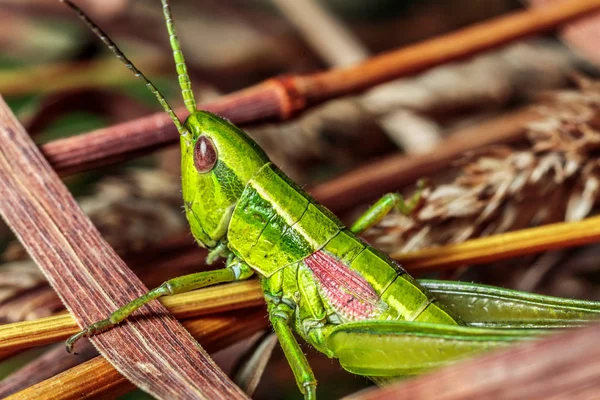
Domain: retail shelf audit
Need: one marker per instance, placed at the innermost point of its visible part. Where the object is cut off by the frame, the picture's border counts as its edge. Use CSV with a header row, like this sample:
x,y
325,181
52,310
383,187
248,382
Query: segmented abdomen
x,y
400,297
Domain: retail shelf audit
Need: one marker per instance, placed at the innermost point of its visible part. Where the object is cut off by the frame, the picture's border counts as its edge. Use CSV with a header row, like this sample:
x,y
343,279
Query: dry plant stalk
x,y
502,246
234,296
285,96
97,378
93,281
370,181
562,366
52,362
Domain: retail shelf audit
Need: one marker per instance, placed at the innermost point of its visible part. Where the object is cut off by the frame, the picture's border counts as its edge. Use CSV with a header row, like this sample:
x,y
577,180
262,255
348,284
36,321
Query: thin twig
x,y
337,46
50,363
285,96
93,281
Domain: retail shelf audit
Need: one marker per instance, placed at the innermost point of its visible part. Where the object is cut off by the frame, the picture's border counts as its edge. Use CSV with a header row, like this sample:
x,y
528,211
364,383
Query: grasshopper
x,y
342,296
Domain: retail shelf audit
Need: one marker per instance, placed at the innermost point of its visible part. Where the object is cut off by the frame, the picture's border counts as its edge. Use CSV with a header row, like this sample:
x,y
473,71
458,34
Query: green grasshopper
x,y
342,296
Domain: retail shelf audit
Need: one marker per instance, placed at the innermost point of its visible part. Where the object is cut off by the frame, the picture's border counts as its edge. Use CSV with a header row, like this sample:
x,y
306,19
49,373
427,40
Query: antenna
x,y
113,47
184,78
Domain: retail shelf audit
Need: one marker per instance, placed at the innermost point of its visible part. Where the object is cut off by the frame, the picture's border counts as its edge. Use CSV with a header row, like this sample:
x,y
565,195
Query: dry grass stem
x,y
283,97
339,47
98,379
22,335
52,362
92,280
503,246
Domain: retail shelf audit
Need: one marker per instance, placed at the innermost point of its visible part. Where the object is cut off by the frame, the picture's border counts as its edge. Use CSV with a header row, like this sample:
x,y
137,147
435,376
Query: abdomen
x,y
400,296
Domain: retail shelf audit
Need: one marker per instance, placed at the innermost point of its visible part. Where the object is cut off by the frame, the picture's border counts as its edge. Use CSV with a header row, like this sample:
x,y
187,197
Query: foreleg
x,y
235,270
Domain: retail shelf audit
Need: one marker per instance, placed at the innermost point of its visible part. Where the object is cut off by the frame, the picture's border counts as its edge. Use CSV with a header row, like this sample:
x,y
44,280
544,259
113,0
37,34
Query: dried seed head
x,y
500,188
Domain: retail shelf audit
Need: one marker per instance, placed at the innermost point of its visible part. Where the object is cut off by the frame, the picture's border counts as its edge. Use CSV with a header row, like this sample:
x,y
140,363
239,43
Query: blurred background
x,y
60,80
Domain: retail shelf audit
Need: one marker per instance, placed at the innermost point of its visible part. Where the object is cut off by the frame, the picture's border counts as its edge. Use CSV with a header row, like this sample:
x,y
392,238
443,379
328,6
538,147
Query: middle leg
x,y
384,206
280,315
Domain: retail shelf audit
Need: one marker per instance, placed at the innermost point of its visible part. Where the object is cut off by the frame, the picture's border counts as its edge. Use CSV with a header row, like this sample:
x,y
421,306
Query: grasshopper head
x,y
217,161
217,158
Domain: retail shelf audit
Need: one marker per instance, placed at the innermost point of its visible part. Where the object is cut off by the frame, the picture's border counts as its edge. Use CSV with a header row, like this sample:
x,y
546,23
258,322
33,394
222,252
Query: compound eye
x,y
205,154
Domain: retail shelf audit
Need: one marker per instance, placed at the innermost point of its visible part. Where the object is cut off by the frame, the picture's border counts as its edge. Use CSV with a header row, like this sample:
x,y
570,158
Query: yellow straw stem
x,y
504,245
233,296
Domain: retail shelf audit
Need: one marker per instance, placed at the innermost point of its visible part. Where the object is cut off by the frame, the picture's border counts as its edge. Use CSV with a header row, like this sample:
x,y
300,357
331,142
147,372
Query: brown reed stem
x,y
92,280
392,172
285,96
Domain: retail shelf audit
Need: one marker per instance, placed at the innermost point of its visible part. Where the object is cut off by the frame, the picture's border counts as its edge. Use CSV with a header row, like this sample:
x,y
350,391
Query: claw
x,y
88,331
71,341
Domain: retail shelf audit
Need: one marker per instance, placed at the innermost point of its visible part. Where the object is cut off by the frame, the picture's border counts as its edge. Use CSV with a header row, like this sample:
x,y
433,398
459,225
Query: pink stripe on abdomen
x,y
347,291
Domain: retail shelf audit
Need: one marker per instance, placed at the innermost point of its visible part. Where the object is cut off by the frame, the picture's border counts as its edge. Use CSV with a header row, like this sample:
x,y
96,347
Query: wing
x,y
348,292
493,307
397,348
